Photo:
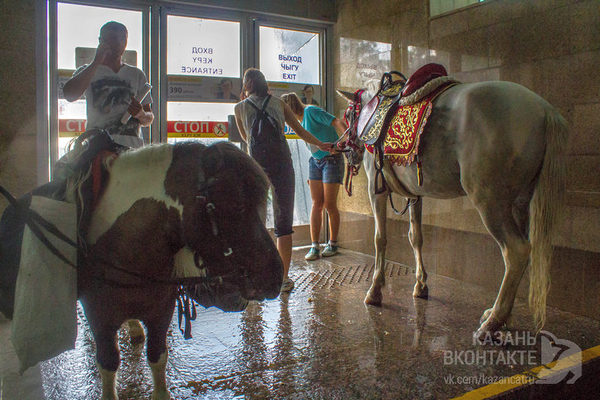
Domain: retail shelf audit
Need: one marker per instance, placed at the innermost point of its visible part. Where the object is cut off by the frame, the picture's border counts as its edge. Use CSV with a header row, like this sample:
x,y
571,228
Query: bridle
x,y
352,143
204,202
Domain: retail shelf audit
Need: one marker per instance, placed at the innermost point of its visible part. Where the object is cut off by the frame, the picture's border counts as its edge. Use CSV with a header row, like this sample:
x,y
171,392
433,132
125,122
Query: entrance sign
x,y
203,47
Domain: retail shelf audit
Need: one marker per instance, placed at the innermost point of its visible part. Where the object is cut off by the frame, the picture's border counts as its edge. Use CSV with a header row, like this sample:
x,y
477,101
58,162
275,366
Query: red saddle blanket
x,y
401,144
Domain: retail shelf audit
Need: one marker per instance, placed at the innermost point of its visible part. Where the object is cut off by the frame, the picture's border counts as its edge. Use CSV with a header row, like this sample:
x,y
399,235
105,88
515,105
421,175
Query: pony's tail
x,y
544,210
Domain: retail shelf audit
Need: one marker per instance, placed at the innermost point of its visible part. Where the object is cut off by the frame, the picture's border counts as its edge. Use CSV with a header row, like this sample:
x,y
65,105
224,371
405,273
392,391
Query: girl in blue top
x,y
325,173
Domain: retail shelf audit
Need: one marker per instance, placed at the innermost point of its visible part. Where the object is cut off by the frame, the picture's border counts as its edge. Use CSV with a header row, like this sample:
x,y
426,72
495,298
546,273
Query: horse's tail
x,y
544,209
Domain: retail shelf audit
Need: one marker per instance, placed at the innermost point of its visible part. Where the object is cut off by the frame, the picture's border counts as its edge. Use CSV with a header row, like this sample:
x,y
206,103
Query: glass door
x,y
77,31
292,61
203,65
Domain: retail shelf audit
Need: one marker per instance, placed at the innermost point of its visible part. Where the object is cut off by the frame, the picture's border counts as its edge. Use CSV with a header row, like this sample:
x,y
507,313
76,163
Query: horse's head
x,y
223,219
353,147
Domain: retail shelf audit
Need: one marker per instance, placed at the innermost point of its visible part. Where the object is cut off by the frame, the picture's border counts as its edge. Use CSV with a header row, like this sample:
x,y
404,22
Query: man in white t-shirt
x,y
112,88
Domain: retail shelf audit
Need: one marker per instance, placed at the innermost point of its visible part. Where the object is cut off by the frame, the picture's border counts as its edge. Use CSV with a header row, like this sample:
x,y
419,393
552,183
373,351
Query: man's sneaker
x,y
330,250
287,286
312,254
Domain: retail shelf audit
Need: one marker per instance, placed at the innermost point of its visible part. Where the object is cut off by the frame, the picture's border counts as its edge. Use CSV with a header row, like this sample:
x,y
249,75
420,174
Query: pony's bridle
x,y
203,201
351,144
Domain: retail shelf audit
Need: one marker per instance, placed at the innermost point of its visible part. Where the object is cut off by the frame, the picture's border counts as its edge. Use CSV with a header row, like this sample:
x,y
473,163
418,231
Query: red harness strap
x,y
352,170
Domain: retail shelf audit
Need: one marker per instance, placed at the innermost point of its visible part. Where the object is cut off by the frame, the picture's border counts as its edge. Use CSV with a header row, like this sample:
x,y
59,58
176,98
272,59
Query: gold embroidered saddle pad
x,y
401,144
382,102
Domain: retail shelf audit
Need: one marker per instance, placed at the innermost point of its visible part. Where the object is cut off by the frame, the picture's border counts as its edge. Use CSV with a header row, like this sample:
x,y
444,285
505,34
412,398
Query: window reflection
x,y
363,62
419,56
437,7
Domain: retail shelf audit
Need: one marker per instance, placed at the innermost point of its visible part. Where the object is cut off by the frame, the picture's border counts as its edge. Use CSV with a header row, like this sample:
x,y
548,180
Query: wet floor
x,y
320,342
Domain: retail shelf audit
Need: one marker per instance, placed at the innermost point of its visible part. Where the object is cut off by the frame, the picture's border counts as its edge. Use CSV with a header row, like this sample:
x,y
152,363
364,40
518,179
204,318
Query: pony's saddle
x,y
379,111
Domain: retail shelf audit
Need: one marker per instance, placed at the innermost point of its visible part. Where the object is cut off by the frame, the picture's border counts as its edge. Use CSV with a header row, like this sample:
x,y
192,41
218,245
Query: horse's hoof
x,y
421,291
110,396
486,314
373,299
488,329
161,395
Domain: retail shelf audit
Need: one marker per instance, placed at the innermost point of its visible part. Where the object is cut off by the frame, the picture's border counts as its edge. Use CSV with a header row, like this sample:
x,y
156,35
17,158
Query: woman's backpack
x,y
264,129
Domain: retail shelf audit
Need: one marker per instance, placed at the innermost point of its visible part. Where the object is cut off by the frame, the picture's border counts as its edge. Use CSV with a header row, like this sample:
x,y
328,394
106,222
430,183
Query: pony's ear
x,y
347,95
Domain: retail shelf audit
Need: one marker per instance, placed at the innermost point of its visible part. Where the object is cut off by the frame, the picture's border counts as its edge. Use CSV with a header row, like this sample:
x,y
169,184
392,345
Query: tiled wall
x,y
550,46
18,166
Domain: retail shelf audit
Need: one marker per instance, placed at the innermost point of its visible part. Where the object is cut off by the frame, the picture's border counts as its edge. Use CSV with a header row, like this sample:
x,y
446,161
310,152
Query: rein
x,y
354,110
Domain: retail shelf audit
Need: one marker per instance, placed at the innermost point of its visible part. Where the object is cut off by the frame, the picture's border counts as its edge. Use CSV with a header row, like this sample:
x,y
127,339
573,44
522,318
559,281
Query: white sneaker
x,y
330,250
312,254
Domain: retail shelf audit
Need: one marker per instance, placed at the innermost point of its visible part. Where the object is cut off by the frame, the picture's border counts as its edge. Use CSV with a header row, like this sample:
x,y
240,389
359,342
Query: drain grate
x,y
328,275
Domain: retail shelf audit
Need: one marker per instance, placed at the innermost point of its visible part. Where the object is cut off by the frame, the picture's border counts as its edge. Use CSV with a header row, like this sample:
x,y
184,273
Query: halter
x,y
202,200
351,117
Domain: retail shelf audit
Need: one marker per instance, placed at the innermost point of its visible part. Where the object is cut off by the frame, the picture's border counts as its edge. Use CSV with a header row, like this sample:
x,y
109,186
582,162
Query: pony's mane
x,y
249,171
143,156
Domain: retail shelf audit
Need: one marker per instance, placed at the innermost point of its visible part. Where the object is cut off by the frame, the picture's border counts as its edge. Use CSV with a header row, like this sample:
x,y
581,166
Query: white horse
x,y
502,146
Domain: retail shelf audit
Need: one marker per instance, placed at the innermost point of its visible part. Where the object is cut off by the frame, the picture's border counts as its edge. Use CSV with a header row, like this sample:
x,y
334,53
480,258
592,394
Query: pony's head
x,y
224,193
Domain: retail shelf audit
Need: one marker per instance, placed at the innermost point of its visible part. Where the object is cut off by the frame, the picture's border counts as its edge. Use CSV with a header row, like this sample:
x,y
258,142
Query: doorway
x,y
194,58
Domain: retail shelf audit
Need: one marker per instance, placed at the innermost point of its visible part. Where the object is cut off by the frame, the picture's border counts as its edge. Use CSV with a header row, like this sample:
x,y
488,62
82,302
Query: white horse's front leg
x,y
415,235
378,204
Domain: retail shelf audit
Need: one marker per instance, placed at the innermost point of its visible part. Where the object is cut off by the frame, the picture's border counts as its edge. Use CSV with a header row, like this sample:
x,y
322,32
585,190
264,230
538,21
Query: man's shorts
x,y
329,169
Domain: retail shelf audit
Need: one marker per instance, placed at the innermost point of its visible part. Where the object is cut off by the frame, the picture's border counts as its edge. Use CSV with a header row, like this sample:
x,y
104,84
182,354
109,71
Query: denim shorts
x,y
329,169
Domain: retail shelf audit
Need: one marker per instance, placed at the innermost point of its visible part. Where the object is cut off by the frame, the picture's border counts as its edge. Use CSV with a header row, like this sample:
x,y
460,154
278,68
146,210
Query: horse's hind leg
x,y
415,236
500,222
378,203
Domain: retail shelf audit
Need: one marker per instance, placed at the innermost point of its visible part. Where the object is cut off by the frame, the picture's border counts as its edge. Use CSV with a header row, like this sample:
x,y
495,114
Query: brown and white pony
x,y
166,209
502,146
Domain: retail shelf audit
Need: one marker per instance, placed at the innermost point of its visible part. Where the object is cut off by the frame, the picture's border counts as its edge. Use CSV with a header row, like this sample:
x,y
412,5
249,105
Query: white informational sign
x,y
203,47
290,56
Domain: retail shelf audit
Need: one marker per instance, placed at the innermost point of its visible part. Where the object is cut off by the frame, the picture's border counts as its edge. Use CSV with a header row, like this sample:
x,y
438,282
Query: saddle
x,y
380,110
393,120
83,164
